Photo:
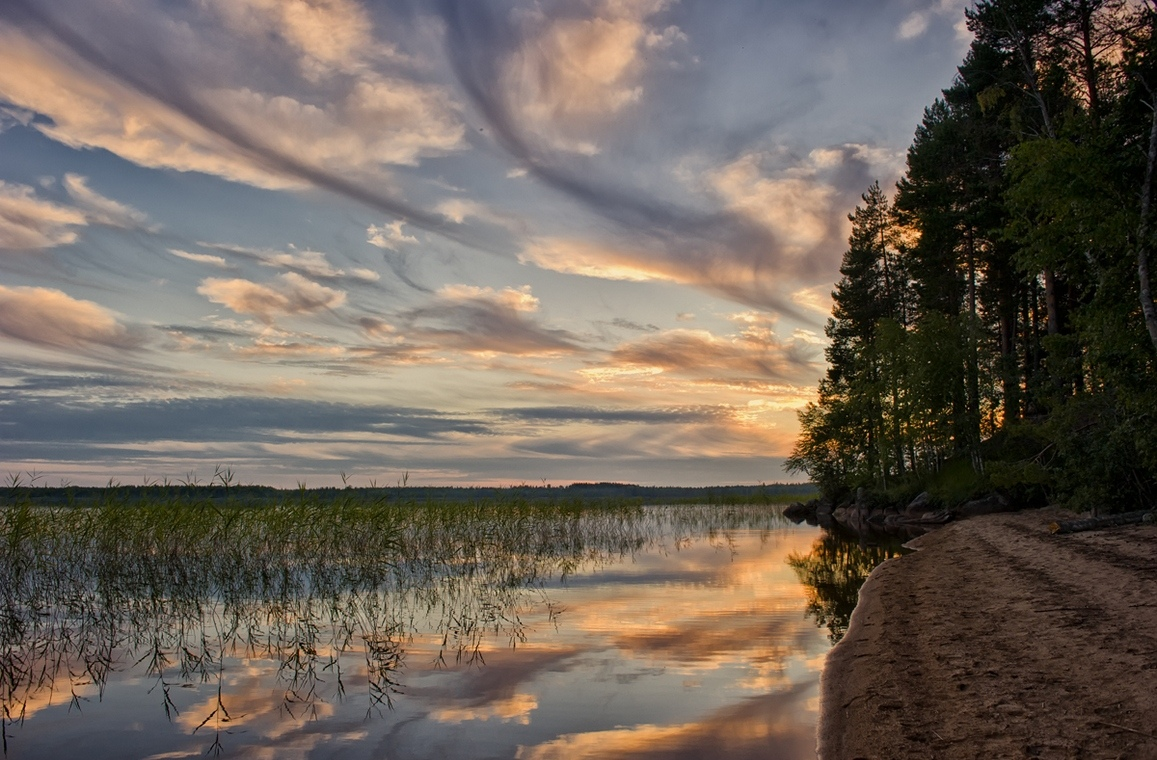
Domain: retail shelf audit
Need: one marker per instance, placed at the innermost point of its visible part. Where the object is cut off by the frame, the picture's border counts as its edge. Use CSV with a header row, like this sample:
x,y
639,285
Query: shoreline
x,y
998,639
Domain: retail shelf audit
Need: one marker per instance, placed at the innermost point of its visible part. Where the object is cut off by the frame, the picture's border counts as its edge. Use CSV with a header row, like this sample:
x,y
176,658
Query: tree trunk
x,y
1052,302
1089,58
1009,377
1095,523
1147,307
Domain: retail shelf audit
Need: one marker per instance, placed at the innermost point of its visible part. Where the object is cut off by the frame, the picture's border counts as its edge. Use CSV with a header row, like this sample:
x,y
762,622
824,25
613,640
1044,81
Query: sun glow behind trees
x,y
997,310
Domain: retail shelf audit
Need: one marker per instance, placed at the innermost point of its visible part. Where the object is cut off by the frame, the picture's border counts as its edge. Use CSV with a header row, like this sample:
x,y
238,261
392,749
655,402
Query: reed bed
x,y
181,581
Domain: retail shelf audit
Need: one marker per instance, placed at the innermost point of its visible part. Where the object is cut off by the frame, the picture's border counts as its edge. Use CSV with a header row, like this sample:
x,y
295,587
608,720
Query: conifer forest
x,y
994,328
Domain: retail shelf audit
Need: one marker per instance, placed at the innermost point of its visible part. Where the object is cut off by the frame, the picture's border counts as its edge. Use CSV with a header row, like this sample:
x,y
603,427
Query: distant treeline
x,y
577,494
994,327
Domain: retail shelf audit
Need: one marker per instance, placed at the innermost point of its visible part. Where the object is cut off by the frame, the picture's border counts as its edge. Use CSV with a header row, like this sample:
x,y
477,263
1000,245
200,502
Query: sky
x,y
451,242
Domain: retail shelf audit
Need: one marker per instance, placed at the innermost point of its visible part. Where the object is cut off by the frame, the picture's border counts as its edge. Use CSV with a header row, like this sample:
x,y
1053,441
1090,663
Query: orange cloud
x,y
755,352
579,71
229,126
27,222
51,318
796,208
516,708
102,210
292,294
516,299
592,260
328,34
484,321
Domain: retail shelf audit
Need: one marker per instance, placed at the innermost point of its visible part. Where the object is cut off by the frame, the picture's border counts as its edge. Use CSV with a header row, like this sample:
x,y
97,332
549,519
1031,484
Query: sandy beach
x,y
999,640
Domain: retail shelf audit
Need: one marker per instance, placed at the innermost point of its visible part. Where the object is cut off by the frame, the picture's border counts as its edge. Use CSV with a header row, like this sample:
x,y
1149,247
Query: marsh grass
x,y
178,581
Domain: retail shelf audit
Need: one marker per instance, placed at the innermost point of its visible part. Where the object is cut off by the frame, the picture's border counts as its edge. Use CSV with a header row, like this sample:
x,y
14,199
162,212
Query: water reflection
x,y
833,572
472,631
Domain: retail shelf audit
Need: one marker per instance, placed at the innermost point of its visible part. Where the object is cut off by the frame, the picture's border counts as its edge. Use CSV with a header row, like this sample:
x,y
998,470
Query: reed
x,y
177,580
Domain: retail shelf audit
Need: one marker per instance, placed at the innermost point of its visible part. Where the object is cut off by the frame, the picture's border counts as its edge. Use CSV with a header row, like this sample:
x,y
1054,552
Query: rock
x,y
919,505
990,504
797,512
891,522
823,509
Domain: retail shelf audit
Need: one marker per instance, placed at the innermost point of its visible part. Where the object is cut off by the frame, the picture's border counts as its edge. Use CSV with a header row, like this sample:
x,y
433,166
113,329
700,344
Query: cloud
x,y
191,94
573,72
291,294
51,318
516,708
560,414
308,263
590,259
102,210
330,35
757,727
377,328
515,299
28,223
755,352
237,418
379,121
742,273
626,324
913,26
796,209
389,236
916,23
201,258
458,209
89,109
485,321
736,250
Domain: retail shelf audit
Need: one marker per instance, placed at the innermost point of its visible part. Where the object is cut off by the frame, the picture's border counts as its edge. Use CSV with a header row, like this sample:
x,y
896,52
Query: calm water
x,y
665,632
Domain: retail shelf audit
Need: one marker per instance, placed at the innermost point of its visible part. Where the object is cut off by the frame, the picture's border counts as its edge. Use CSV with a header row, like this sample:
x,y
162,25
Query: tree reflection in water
x,y
832,574
185,590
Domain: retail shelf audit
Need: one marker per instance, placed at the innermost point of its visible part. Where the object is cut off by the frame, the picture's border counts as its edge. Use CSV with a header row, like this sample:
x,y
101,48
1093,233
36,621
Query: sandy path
x,y
999,640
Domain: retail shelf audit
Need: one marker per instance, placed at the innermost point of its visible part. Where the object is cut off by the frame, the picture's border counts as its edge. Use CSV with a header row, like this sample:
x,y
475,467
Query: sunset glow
x,y
475,241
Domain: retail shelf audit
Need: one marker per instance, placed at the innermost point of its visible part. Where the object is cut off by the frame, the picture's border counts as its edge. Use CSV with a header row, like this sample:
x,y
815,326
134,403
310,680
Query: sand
x,y
999,640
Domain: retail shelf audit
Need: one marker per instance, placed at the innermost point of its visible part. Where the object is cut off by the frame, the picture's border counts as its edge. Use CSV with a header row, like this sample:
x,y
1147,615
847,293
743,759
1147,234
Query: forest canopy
x,y
994,325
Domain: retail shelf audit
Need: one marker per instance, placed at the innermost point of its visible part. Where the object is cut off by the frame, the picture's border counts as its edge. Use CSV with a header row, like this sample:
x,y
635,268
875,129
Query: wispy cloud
x,y
308,263
102,210
201,258
755,352
480,320
28,222
228,419
192,96
329,36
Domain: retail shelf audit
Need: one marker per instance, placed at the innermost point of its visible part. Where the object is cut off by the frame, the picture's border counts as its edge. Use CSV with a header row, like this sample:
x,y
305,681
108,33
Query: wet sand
x,y
999,640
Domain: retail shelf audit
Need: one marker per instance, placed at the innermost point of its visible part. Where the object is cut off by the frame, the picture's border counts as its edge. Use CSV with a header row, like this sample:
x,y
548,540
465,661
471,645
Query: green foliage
x,y
1001,308
832,573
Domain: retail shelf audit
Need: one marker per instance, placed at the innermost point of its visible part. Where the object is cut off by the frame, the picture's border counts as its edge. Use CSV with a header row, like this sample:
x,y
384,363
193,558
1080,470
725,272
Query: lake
x,y
418,632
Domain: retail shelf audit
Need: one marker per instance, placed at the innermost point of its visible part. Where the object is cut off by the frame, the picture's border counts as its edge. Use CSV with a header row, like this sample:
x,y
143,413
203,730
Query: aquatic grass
x,y
178,580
